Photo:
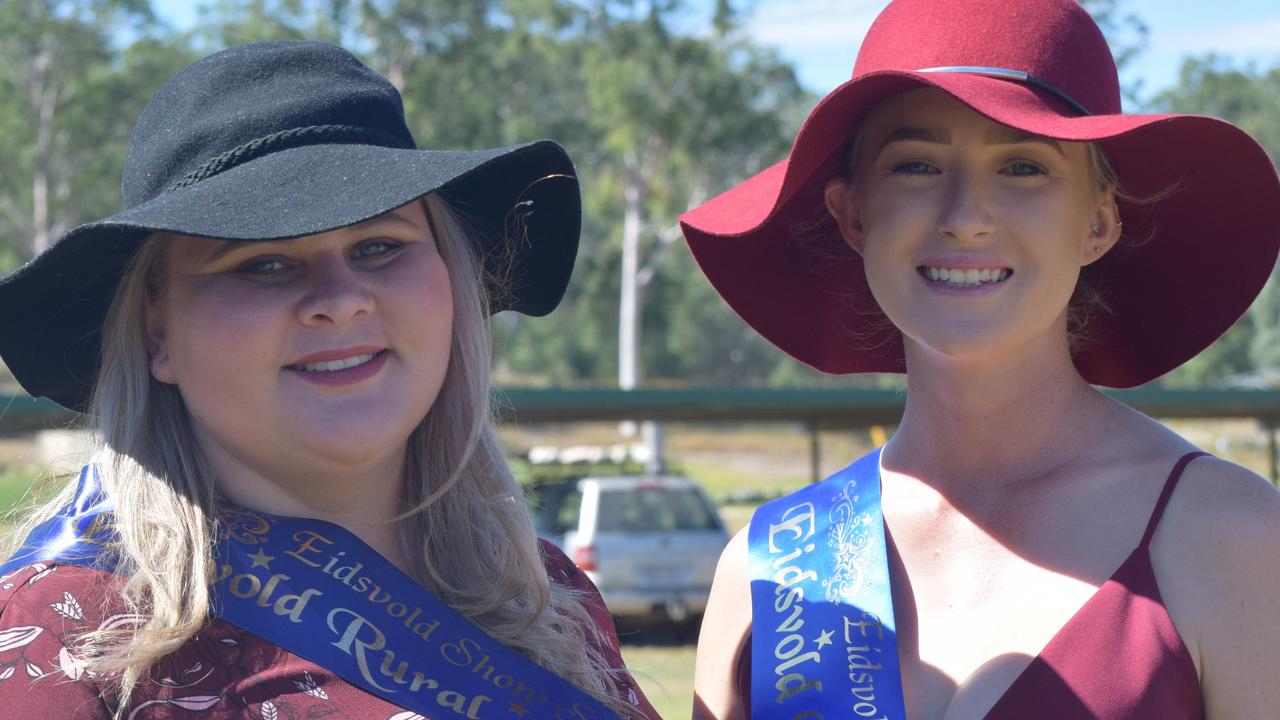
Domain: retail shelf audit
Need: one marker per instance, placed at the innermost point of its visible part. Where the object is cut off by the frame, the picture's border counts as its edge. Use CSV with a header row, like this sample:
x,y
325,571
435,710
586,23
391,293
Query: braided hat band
x,y
286,139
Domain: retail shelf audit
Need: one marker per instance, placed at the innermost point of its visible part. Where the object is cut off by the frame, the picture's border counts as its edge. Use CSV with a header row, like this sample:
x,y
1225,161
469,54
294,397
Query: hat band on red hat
x,y
1007,74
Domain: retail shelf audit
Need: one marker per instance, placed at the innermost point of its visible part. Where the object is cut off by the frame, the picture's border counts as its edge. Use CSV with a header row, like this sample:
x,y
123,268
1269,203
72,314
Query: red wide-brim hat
x,y
1191,260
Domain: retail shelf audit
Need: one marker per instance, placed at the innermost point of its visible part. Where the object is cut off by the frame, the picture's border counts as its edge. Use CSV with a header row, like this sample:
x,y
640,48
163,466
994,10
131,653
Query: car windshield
x,y
554,507
654,510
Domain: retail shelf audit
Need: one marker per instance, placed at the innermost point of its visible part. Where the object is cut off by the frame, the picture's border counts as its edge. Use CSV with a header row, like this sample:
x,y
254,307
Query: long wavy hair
x,y
467,532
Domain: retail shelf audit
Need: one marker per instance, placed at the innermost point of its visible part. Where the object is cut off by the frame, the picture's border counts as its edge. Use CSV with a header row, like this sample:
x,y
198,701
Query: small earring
x,y
1097,249
1096,229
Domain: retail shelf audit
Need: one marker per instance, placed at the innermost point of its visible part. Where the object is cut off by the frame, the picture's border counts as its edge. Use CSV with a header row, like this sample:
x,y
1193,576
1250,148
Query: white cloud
x,y
1257,36
807,25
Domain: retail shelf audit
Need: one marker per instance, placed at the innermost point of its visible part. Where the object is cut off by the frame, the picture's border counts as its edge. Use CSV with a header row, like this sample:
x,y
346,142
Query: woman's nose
x,y
966,214
334,294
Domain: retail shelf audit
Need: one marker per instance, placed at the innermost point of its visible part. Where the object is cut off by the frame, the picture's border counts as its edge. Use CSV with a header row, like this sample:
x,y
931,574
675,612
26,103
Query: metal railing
x,y
819,410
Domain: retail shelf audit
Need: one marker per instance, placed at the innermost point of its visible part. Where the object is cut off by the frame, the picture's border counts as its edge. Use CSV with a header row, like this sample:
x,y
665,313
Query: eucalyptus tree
x,y
66,114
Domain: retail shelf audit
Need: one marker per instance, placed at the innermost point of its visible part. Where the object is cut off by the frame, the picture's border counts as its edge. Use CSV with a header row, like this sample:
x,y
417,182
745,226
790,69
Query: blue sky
x,y
821,36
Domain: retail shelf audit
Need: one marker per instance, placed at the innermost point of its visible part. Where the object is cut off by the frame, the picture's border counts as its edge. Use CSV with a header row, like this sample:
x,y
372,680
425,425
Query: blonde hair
x,y
468,535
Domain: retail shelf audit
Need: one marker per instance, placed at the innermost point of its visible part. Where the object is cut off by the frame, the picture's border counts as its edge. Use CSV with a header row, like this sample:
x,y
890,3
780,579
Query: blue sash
x,y
318,591
823,643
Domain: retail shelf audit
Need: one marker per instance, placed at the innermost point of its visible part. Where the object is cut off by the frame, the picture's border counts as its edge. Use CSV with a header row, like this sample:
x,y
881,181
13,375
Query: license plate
x,y
664,574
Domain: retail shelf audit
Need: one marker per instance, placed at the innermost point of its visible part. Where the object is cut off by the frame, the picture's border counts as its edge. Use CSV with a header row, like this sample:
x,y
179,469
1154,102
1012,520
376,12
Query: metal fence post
x,y
815,454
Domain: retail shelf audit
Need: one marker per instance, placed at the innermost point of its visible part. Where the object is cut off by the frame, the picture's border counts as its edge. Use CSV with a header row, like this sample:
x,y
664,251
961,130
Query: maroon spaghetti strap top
x,y
1118,658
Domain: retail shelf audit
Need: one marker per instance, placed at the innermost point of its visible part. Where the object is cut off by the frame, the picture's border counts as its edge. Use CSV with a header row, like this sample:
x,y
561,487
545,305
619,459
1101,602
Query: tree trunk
x,y
633,193
44,100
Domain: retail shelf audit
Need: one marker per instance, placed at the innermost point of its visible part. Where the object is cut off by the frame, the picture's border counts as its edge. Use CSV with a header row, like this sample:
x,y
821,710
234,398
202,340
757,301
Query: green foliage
x,y
70,98
18,485
653,113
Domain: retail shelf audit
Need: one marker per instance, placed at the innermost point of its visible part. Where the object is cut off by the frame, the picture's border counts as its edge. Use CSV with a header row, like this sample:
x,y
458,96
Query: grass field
x,y
663,667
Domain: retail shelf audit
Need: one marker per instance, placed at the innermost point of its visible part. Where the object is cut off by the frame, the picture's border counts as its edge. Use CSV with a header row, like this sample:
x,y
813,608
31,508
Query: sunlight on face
x,y
322,350
972,233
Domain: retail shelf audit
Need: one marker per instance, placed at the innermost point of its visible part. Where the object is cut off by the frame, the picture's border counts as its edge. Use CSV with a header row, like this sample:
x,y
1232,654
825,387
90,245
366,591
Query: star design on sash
x,y
824,639
261,559
516,708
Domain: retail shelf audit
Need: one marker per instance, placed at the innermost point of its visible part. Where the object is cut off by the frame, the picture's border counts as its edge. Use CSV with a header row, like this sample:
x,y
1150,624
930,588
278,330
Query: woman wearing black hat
x,y
973,209
296,506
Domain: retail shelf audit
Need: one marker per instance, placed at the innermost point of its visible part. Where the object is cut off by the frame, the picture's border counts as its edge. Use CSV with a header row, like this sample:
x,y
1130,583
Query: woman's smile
x,y
340,368
964,276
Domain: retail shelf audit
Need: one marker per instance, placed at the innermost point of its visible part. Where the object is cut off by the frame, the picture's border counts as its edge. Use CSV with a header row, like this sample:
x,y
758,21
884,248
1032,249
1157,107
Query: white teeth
x,y
967,277
334,365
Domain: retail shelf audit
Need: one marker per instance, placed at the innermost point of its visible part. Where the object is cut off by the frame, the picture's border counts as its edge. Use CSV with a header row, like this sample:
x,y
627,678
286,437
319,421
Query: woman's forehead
x,y
931,115
410,218
933,110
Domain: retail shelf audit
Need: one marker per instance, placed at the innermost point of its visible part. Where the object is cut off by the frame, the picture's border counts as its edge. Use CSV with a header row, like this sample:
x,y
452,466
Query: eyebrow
x,y
996,136
1010,136
223,247
391,218
918,134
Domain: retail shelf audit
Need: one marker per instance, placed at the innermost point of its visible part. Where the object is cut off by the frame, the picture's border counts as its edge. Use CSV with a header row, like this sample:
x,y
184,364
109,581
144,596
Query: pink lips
x,y
346,376
337,354
962,261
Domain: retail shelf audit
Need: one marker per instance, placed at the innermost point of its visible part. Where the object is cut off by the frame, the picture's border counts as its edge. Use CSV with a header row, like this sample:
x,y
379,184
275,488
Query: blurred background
x,y
662,104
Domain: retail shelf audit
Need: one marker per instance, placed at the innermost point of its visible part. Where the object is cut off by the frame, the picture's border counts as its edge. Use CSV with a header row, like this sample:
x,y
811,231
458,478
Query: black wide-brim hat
x,y
1201,210
271,141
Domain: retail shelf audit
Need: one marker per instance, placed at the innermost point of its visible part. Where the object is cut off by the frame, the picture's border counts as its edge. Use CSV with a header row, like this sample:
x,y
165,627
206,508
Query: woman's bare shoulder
x,y
1221,527
729,608
1221,510
1217,556
725,628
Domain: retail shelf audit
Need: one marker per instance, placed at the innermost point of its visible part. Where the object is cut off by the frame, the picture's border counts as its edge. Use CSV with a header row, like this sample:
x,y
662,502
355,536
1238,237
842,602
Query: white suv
x,y
650,544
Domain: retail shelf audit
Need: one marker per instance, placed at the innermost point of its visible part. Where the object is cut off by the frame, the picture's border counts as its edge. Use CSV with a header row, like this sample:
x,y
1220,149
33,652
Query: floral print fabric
x,y
221,673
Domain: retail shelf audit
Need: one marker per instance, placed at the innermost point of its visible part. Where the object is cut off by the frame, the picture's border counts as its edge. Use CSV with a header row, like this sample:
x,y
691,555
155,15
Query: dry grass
x,y
665,674
18,450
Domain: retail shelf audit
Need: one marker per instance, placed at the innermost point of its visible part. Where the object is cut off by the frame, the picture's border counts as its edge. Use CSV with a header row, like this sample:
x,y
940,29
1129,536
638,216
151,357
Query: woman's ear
x,y
156,341
1105,228
839,197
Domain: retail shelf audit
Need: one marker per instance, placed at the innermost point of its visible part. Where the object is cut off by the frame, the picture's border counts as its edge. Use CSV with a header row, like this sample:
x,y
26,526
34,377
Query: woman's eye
x,y
376,249
1023,168
262,266
915,167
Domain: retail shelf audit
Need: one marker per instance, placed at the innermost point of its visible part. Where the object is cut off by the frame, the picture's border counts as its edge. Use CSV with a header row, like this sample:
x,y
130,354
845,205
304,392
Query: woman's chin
x,y
958,342
984,349
356,452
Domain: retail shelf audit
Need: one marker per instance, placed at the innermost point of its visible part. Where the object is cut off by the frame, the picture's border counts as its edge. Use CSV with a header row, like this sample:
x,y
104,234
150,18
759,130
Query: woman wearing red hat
x,y
296,506
973,209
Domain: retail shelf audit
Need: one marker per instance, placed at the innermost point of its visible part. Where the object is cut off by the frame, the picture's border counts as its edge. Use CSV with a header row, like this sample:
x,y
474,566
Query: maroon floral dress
x,y
221,673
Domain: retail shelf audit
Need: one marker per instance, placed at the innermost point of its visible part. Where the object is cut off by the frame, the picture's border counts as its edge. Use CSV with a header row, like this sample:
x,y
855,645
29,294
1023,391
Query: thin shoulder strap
x,y
1165,494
